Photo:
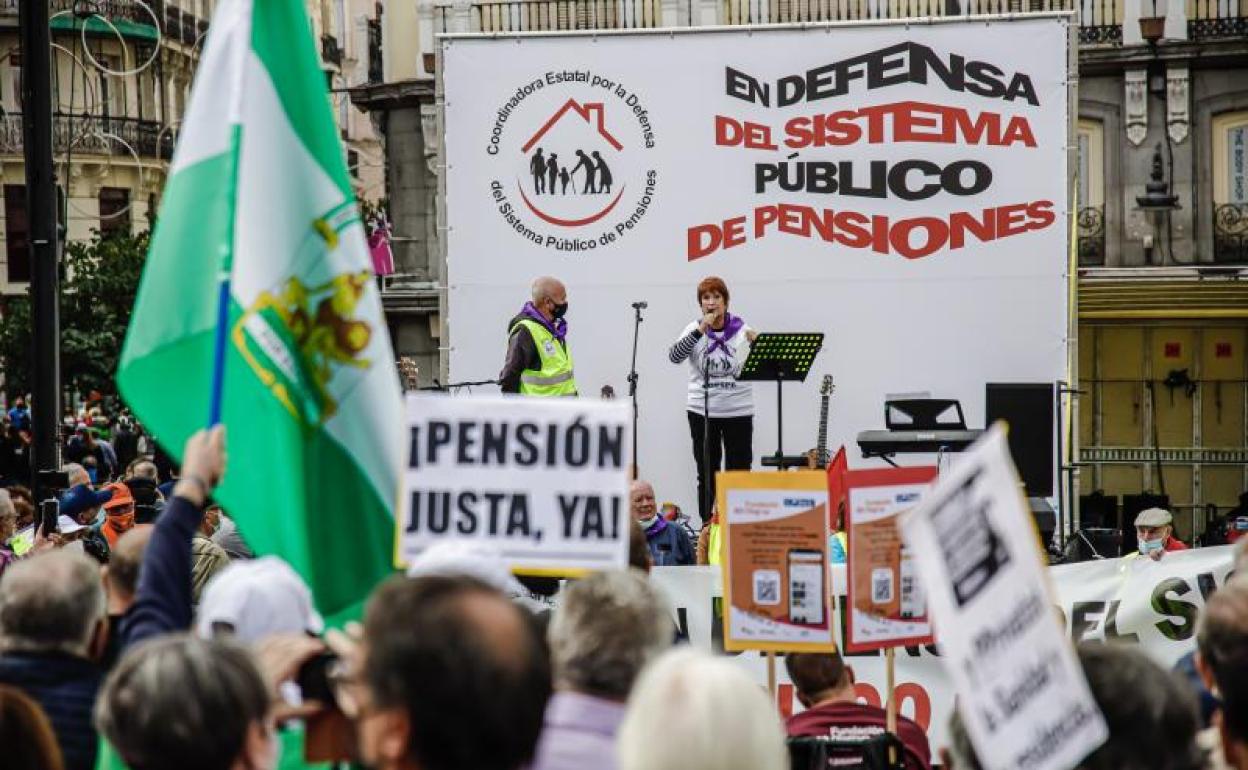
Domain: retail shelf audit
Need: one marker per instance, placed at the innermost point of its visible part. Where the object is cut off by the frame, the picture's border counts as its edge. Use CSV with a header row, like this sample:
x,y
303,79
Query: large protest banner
x,y
545,481
900,187
1132,601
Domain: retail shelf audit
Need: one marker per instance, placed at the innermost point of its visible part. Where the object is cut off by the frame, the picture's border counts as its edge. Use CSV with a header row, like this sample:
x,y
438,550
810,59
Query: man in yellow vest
x,y
538,360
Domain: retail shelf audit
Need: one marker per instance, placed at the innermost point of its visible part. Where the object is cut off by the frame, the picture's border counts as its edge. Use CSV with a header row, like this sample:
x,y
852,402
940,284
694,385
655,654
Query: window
x,y
1091,138
114,211
353,163
16,228
1230,187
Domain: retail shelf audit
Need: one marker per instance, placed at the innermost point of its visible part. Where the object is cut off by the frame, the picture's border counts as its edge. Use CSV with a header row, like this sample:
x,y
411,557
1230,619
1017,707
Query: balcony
x,y
91,135
1101,20
1230,233
1214,19
1091,224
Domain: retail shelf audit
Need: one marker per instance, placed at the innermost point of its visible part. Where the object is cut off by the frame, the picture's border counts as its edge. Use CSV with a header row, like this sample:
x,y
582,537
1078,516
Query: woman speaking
x,y
716,345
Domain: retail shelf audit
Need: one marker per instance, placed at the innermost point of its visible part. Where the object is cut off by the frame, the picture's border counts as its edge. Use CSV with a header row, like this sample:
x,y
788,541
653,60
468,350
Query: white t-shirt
x,y
728,396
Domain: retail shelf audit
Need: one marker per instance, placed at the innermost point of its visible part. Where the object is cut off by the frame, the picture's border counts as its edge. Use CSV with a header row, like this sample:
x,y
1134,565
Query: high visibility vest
x,y
715,545
555,377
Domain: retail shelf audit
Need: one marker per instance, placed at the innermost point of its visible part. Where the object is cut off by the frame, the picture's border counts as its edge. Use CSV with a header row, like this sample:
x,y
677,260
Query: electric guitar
x,y
817,458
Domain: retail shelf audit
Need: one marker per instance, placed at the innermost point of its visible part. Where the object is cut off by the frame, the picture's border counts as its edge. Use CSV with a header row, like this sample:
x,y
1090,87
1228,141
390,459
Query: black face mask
x,y
559,310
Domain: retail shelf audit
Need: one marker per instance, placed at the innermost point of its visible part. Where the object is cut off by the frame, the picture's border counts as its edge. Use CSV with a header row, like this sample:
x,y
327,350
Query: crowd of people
x,y
163,646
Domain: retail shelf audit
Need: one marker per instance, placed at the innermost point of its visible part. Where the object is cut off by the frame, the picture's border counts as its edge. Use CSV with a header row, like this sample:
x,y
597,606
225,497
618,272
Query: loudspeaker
x,y
1028,408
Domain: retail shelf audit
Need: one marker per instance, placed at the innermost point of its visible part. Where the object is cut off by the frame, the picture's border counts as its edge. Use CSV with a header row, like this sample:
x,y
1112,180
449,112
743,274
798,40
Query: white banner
x,y
1136,601
1023,696
547,483
901,188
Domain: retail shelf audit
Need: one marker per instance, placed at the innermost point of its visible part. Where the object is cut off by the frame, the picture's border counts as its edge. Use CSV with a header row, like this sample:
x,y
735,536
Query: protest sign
x,y
1023,696
544,480
1150,604
775,561
886,607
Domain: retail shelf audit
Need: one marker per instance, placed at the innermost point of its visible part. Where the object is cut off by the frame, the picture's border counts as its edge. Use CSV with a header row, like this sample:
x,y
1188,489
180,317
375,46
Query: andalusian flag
x,y
258,221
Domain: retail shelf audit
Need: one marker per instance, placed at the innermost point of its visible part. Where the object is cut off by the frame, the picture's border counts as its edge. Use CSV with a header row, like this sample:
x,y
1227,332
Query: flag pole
x,y
239,62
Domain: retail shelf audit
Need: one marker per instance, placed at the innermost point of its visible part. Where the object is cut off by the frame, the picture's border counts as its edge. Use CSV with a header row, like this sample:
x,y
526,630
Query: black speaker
x,y
1028,408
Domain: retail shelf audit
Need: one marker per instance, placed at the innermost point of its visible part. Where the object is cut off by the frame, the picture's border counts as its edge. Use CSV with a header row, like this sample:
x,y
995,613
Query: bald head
x,y
123,566
548,287
641,500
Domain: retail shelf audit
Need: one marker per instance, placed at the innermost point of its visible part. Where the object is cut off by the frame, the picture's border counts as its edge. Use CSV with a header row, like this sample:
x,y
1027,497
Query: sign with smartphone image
x,y
776,590
887,607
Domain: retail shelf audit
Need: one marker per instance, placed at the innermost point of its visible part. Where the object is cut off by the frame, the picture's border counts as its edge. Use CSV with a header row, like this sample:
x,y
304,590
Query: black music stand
x,y
782,358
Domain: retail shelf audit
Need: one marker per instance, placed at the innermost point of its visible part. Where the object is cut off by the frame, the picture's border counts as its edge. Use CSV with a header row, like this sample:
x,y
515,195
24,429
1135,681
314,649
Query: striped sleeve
x,y
682,347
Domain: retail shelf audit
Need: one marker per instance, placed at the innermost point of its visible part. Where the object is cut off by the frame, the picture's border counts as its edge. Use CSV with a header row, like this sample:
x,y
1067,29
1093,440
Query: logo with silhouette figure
x,y
568,178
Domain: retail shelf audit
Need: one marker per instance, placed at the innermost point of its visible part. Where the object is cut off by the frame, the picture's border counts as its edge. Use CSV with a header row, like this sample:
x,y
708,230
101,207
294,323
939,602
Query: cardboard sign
x,y
543,479
1023,696
886,603
775,561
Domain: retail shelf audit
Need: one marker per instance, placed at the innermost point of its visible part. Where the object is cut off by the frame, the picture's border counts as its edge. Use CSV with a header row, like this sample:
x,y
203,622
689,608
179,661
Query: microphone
x,y
640,305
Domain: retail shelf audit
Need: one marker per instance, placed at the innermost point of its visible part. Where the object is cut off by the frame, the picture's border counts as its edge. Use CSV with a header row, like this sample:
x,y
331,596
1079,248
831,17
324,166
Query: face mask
x,y
648,523
1148,546
559,310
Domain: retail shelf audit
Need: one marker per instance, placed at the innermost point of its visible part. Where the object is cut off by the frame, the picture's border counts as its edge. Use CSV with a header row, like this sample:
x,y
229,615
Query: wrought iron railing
x,y
1208,19
1230,232
1100,20
113,10
1091,224
94,135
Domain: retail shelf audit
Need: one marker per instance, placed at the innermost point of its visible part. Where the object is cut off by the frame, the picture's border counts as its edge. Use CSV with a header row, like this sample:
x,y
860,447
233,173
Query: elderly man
x,y
52,621
538,360
669,545
1154,533
1222,660
605,629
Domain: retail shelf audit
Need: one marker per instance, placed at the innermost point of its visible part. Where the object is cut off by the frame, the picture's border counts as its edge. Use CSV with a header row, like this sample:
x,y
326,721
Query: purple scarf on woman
x,y
719,339
559,328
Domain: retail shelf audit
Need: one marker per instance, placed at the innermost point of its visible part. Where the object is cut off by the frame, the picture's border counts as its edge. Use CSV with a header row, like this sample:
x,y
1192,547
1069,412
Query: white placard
x,y
1023,695
986,307
545,480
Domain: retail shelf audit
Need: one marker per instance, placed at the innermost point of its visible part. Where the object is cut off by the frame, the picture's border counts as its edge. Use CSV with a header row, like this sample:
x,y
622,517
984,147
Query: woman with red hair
x,y
716,345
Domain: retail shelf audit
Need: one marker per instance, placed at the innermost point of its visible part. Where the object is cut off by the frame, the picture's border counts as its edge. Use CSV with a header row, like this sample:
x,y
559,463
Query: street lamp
x,y
1156,203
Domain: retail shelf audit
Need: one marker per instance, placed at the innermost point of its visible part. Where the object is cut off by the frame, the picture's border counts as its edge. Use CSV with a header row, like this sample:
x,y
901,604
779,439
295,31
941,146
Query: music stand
x,y
782,358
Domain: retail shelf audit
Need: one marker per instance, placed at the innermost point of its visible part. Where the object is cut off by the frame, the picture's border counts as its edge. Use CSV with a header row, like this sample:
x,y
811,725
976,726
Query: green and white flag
x,y
258,200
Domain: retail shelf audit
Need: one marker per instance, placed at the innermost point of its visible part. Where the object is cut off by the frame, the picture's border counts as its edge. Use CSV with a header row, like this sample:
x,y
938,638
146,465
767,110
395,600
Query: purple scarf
x,y
719,340
656,527
559,328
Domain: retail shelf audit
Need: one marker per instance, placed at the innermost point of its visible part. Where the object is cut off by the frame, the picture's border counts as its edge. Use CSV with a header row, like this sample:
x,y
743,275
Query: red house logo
x,y
568,179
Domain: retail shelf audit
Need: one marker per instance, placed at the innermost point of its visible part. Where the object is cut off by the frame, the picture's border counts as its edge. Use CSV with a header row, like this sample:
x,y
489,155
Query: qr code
x,y
766,586
881,586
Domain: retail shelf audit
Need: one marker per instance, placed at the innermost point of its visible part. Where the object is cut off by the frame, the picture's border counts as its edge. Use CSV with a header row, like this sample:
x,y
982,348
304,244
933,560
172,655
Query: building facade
x,y
122,74
1162,291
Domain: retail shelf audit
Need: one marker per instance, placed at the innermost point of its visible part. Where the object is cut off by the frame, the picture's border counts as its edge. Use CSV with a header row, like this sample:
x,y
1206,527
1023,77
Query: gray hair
x,y
7,509
76,471
144,469
544,286
605,629
51,602
145,713
678,696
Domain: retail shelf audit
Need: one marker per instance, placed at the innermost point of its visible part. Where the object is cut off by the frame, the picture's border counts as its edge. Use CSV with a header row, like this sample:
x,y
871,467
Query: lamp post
x,y
1157,203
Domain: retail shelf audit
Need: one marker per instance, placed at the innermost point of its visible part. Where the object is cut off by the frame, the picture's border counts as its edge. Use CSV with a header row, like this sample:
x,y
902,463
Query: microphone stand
x,y
706,435
632,380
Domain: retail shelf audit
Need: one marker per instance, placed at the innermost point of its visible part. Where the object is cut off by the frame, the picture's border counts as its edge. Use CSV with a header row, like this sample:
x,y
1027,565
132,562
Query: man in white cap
x,y
1155,533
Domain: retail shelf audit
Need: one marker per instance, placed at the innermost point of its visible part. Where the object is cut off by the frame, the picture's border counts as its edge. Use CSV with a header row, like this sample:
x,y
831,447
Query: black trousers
x,y
731,438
